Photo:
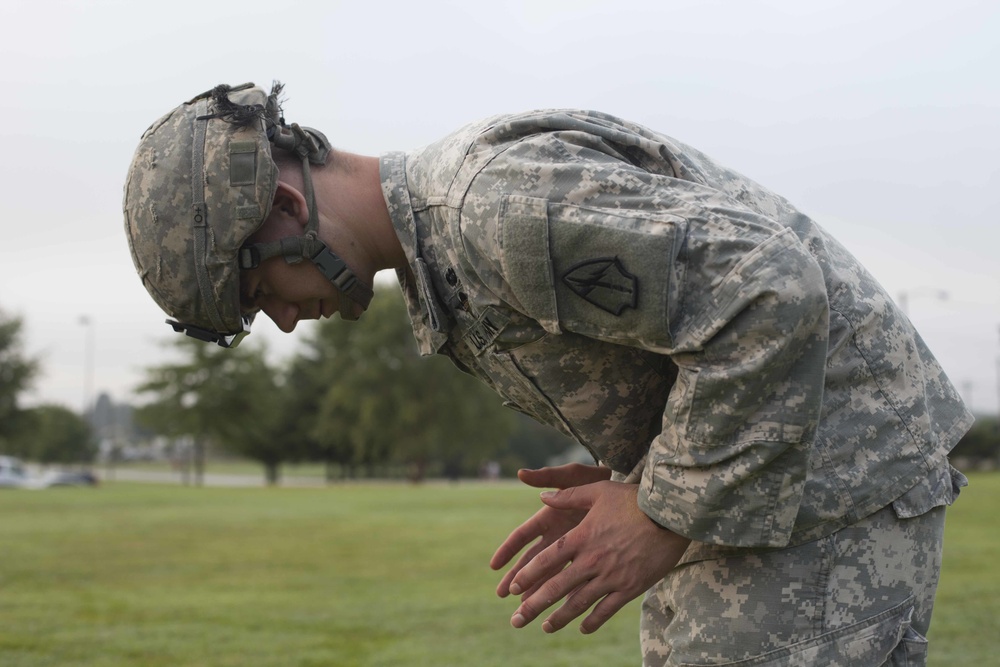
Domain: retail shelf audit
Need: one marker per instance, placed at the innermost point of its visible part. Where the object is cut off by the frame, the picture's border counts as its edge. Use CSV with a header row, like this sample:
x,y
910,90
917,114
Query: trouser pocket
x,y
910,652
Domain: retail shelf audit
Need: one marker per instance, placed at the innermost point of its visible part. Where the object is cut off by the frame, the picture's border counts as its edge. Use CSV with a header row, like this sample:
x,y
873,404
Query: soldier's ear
x,y
289,202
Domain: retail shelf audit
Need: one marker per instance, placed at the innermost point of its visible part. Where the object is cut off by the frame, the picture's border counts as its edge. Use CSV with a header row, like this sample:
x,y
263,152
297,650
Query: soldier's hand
x,y
611,557
548,523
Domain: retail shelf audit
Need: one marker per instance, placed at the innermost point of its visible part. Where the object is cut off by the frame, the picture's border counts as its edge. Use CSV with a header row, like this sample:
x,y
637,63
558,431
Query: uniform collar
x,y
427,316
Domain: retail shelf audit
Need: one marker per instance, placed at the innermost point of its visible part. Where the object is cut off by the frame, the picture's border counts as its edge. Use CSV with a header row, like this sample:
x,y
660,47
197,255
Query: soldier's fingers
x,y
534,589
519,538
576,604
503,588
605,609
549,592
564,476
551,559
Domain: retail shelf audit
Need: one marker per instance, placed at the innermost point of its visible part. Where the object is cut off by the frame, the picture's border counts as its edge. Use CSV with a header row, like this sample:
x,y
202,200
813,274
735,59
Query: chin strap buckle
x,y
338,273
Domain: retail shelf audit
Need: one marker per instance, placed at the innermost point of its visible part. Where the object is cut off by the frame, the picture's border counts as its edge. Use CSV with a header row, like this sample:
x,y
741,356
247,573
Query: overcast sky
x,y
880,119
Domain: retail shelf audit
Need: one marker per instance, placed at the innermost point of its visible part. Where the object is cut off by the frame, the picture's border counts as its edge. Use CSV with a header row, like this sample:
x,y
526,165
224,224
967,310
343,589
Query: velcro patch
x,y
242,162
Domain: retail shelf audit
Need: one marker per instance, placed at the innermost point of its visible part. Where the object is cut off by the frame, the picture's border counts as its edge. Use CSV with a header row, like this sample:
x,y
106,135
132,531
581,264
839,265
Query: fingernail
x,y
515,589
517,621
547,627
547,494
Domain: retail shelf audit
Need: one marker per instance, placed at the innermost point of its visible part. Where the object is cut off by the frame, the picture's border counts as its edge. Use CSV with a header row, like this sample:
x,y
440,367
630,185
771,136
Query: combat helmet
x,y
200,184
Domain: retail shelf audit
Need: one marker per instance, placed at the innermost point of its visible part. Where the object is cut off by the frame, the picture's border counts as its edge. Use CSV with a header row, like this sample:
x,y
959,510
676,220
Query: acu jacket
x,y
678,320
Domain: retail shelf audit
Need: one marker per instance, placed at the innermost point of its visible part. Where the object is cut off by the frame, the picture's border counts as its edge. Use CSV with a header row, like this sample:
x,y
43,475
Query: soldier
x,y
772,434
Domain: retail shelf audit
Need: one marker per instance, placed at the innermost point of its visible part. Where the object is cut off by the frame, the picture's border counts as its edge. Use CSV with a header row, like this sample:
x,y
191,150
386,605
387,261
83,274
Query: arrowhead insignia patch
x,y
605,283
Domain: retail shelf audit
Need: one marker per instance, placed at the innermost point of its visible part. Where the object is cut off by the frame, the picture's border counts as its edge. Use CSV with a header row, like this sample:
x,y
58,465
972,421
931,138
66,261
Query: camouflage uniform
x,y
697,332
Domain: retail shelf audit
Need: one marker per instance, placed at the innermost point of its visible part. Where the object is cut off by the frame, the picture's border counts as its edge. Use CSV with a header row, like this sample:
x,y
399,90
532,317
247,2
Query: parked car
x,y
12,473
68,478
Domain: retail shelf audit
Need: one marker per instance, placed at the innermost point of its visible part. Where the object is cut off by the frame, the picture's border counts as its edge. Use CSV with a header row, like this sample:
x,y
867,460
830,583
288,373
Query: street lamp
x,y
88,362
904,297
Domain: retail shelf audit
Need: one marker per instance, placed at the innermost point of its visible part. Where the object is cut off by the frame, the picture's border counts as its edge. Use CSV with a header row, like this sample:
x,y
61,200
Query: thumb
x,y
573,498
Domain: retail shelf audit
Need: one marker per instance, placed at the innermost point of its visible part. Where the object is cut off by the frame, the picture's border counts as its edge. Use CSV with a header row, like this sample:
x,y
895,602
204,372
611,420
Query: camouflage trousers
x,y
861,597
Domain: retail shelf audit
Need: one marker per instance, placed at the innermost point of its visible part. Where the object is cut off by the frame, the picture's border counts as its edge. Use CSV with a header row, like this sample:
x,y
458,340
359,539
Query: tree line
x,y
356,397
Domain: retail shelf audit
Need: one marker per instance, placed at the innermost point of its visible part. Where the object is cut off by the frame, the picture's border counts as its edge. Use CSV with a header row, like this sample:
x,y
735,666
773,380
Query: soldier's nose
x,y
285,315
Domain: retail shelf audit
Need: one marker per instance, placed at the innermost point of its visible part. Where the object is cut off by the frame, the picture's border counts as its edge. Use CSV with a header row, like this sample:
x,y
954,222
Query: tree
x,y
177,409
58,435
307,383
16,374
980,443
251,407
229,397
381,402
447,417
533,444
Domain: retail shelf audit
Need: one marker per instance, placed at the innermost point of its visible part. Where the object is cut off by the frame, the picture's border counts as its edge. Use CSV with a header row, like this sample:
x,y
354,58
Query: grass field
x,y
365,575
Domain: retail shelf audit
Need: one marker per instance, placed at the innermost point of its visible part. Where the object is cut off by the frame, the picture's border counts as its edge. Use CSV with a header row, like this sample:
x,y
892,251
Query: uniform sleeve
x,y
730,464
738,304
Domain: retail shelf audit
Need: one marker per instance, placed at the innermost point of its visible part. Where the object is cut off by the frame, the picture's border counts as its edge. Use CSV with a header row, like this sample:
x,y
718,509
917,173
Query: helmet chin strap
x,y
303,142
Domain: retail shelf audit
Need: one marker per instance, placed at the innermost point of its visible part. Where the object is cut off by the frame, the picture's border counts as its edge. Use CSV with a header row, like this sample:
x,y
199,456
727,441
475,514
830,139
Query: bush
x,y
981,443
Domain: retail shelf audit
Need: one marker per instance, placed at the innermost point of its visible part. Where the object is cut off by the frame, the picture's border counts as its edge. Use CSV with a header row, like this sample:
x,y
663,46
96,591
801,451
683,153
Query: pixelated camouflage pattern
x,y
169,234
862,596
770,385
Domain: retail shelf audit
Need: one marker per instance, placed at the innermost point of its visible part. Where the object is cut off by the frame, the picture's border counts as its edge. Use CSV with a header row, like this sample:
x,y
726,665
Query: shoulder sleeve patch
x,y
605,283
604,272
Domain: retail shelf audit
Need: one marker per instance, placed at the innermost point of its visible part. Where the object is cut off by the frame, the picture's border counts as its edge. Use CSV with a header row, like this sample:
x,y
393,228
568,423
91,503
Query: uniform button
x,y
451,277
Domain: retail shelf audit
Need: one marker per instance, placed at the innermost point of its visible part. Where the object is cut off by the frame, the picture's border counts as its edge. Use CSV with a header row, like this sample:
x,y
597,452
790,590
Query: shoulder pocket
x,y
607,273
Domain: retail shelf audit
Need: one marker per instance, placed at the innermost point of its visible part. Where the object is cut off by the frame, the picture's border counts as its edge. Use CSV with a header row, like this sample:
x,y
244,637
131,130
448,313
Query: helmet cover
x,y
201,182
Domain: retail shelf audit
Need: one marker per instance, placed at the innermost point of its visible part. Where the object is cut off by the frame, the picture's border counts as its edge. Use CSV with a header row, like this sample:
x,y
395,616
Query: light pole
x,y
967,387
88,363
904,297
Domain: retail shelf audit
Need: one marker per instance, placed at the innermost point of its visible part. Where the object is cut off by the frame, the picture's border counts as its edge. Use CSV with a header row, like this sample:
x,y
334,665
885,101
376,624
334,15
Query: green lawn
x,y
966,625
363,574
381,574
